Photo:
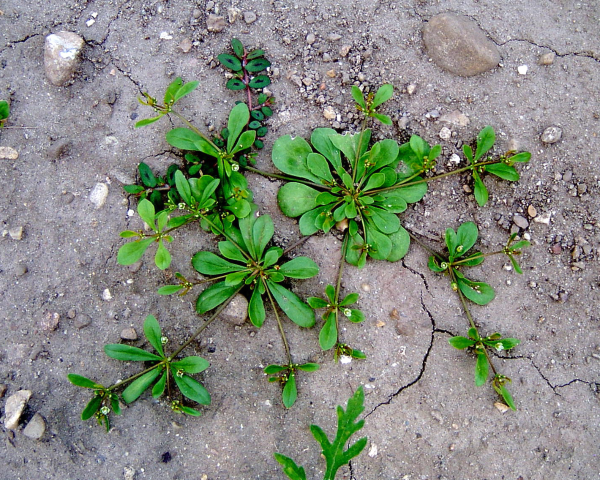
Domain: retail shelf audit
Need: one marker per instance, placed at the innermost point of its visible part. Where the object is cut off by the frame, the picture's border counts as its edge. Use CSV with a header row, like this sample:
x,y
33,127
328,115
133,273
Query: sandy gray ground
x,y
425,419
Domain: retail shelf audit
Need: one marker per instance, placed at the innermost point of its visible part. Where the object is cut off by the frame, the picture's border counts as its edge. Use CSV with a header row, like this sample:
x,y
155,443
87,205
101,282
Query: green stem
x,y
206,324
359,147
424,246
481,255
297,244
222,232
339,285
133,377
279,324
463,301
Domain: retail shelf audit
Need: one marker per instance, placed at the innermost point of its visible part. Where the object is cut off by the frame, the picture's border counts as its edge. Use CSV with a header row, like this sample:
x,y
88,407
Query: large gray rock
x,y
61,56
456,44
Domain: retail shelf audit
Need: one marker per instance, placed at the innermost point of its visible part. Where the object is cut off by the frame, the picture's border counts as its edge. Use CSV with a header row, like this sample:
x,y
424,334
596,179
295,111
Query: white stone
x,y
106,295
8,153
373,451
16,233
445,133
329,113
61,56
166,36
99,194
522,69
15,404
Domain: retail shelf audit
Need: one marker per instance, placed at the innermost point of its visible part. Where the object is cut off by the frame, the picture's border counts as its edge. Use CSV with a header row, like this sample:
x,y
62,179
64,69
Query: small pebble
x,y
36,427
16,233
129,334
82,321
543,218
310,38
411,88
3,389
185,45
62,56
329,113
532,211
334,37
249,17
551,135
49,321
445,133
547,58
522,69
129,473
197,13
106,295
520,221
99,194
215,23
556,249
233,14
15,404
501,407
345,50
365,287
331,73
8,153
237,310
165,36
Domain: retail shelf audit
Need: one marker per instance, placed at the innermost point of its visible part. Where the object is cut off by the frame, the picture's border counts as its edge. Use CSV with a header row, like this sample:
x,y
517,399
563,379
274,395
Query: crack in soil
x,y
415,272
12,43
587,54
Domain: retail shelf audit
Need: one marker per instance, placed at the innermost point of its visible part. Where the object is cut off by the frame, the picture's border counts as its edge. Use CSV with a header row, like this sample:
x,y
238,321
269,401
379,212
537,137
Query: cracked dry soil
x,y
424,417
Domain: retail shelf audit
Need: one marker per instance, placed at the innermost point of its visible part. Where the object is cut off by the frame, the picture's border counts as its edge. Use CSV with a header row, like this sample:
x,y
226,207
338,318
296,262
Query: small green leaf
x,y
159,387
190,411
230,62
230,251
296,310
153,334
4,109
186,89
503,171
238,47
478,292
147,213
316,302
400,244
503,391
267,111
385,221
290,156
214,296
357,95
261,81
461,342
479,190
127,353
235,84
309,367
508,343
295,199
481,369
133,189
385,119
299,267
384,93
262,233
356,316
293,471
257,65
171,89
208,263
81,381
466,236
192,364
245,141
255,54
273,369
256,308
137,387
131,252
485,141
290,392
328,335
162,257
186,139
319,166
522,157
238,119
91,408
146,175
349,299
147,121
191,388
183,187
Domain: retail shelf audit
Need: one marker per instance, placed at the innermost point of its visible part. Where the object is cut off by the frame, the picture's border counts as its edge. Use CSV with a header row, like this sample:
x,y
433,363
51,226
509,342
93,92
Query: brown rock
x,y
215,23
61,56
455,43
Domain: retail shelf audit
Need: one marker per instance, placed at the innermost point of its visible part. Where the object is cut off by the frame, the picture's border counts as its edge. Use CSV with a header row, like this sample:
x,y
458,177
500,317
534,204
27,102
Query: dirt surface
x,y
425,419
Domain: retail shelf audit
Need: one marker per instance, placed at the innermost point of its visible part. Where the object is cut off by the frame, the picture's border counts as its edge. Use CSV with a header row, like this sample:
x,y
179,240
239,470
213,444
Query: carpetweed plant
x,y
333,452
341,182
4,112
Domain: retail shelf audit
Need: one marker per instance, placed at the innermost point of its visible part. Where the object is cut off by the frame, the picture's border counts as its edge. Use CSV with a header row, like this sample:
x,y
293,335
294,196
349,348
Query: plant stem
x,y
338,285
207,323
363,127
422,245
279,324
297,244
463,301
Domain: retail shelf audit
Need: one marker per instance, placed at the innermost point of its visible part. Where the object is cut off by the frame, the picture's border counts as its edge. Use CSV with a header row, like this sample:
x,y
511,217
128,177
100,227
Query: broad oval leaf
x,y
229,61
257,65
131,252
238,119
290,156
146,174
192,389
318,166
235,84
461,342
192,364
186,89
214,296
478,292
261,81
385,221
91,408
262,233
81,381
137,387
299,267
503,171
238,47
485,141
384,93
328,335
323,144
153,334
296,310
208,263
295,199
162,259
147,213
256,308
481,369
290,392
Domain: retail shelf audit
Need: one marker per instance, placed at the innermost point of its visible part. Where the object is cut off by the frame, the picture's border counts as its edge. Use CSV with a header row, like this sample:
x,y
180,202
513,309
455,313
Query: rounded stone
x,y
36,427
456,44
237,310
15,404
61,56
129,334
520,221
551,135
249,17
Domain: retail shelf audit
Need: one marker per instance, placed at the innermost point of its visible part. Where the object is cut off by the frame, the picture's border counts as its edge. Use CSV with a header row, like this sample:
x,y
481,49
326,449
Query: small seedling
x,y
333,452
286,375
